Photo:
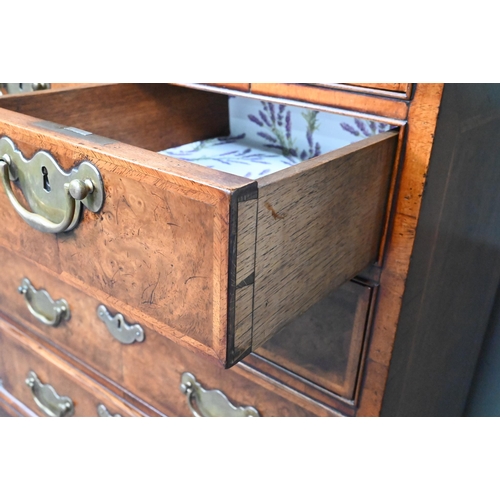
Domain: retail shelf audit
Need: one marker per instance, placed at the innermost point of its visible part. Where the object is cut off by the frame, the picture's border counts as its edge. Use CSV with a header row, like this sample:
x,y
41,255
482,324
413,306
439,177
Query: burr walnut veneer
x,y
275,297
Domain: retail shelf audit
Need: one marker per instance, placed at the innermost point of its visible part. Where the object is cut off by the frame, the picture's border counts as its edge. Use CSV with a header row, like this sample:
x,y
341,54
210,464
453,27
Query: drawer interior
x,y
151,116
242,136
329,354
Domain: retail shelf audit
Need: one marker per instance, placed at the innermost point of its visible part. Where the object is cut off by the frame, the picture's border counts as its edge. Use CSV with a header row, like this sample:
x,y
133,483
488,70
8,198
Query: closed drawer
x,y
49,386
214,261
395,89
351,97
151,368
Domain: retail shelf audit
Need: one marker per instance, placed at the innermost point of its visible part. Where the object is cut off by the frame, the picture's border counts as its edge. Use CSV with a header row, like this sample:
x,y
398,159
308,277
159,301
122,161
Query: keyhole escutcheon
x,y
46,183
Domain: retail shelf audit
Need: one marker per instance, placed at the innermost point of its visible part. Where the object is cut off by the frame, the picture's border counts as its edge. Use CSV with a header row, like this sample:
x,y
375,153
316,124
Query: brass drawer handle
x,y
118,327
47,398
211,403
51,193
102,411
42,306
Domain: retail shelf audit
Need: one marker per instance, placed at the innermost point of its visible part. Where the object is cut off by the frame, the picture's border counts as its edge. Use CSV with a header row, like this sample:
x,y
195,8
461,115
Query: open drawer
x,y
214,261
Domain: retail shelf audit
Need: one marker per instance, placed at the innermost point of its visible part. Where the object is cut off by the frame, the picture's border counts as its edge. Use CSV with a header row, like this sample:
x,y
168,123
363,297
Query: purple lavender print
x,y
275,122
365,128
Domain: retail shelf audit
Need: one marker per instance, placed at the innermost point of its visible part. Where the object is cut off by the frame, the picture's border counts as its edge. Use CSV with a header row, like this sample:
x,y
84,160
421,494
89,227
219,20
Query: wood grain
x,y
159,247
284,276
152,116
391,90
150,369
371,104
178,280
422,121
244,87
319,224
12,407
391,87
19,355
395,87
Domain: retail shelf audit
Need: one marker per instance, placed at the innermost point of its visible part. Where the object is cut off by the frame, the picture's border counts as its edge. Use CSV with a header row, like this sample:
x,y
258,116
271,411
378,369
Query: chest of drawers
x,y
176,289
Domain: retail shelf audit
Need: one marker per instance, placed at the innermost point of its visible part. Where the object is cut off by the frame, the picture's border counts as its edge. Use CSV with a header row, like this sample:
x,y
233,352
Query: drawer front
x,y
160,245
243,87
12,407
210,260
403,89
49,386
341,96
394,90
152,368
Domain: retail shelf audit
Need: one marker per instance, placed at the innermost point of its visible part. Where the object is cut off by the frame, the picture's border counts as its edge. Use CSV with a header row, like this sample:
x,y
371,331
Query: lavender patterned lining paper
x,y
267,137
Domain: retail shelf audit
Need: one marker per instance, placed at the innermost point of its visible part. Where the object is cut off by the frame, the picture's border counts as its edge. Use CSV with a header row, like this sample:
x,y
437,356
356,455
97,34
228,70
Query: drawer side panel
x,y
317,229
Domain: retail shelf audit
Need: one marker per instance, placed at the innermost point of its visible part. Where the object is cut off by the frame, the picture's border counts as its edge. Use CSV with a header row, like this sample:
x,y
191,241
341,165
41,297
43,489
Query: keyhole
x,y
20,86
46,183
119,324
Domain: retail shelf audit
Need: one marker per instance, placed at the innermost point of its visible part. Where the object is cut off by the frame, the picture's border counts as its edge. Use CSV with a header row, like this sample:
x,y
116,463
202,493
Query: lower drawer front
x,y
48,385
152,368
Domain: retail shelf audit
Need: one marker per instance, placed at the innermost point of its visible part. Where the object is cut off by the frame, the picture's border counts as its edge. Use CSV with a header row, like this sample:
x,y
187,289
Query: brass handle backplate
x,y
47,398
42,306
102,411
119,328
212,403
54,196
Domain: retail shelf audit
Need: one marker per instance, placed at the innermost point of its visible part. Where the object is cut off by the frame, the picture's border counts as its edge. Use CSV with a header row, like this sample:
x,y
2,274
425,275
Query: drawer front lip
x,y
395,90
20,355
219,222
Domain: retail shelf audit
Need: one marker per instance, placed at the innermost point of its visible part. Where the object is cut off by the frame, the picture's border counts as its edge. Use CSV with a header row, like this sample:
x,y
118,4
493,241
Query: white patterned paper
x,y
267,137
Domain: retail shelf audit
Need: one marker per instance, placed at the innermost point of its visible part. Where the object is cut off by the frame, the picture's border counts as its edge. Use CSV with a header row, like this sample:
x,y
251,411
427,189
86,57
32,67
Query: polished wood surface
x,y
324,344
193,280
150,116
409,320
404,88
174,280
370,104
391,90
244,87
395,87
305,249
19,355
150,369
407,202
12,407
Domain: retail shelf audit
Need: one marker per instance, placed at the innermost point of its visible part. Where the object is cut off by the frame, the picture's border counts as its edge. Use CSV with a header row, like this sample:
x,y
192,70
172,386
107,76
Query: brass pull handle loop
x,y
41,305
54,197
35,220
189,391
211,403
102,411
47,398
